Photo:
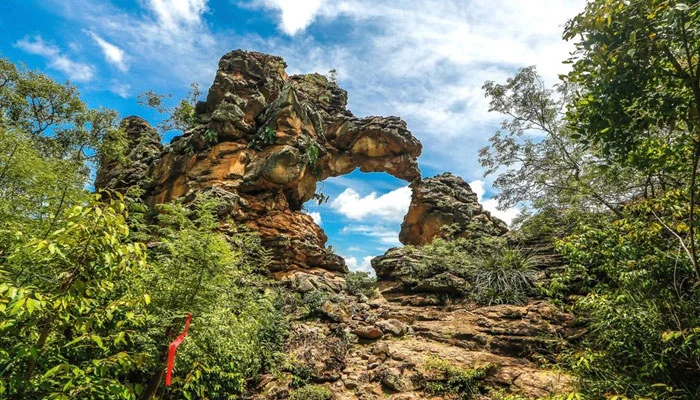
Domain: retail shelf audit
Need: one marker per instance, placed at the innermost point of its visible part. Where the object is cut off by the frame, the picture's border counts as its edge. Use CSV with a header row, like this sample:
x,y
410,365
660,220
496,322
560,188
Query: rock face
x,y
267,138
445,206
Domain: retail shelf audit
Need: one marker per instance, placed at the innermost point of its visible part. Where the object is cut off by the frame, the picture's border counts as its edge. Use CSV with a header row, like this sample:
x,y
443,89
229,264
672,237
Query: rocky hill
x,y
262,141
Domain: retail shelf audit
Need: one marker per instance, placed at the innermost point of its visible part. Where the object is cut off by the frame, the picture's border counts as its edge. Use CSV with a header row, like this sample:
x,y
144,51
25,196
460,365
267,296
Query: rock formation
x,y
267,138
445,206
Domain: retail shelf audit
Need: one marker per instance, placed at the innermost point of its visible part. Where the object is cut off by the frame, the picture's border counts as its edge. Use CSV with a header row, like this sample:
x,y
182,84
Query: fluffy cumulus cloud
x,y
113,54
74,70
174,15
363,265
491,205
389,207
427,61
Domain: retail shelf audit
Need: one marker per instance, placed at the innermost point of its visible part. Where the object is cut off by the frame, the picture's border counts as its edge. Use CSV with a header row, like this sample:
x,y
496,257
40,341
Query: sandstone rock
x,y
274,137
393,326
367,332
445,206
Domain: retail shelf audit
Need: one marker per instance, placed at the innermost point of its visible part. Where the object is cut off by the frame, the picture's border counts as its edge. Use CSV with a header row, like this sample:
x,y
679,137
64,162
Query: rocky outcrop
x,y
445,206
380,349
141,149
267,138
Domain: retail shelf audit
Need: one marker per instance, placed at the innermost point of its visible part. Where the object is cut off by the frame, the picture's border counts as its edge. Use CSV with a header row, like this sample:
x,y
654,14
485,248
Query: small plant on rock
x,y
504,277
360,282
311,392
314,300
443,378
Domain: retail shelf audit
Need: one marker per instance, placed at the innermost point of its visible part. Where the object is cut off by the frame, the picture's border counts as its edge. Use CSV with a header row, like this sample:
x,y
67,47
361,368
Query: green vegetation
x,y
505,276
178,118
313,301
617,167
496,273
443,378
311,392
360,282
93,287
265,137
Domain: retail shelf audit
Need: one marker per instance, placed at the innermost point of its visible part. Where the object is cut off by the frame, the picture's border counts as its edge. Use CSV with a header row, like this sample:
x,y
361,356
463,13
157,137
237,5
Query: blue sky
x,y
424,61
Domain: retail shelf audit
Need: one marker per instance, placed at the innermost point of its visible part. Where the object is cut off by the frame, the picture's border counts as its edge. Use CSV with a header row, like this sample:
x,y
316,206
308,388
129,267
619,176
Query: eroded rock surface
x,y
267,138
445,206
382,350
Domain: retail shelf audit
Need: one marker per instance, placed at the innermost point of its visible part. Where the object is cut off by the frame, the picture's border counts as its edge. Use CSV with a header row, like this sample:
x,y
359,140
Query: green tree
x,y
178,118
50,141
68,314
637,68
538,158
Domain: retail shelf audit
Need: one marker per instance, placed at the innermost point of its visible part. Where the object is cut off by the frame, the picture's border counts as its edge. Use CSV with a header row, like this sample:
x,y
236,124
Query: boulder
x,y
445,206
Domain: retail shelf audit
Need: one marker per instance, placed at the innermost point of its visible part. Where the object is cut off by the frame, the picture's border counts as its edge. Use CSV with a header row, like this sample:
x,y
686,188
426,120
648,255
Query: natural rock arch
x,y
264,141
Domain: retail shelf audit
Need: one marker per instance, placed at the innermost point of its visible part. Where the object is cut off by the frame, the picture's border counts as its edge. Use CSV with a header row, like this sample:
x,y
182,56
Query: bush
x,y
311,392
313,300
504,277
360,282
443,378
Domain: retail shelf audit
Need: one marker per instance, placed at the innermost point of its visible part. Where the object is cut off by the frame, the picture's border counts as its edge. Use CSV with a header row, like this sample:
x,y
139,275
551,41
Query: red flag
x,y
173,348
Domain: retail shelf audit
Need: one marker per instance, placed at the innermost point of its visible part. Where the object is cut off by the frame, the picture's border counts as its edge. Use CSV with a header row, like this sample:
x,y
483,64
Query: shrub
x,y
311,392
360,282
443,378
504,277
313,300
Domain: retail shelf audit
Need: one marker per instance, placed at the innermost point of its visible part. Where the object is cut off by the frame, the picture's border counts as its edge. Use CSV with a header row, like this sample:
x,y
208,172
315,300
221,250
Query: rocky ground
x,y
371,348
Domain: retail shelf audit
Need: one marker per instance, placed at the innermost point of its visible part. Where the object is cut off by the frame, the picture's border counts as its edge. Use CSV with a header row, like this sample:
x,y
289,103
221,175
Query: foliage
x,y
237,328
638,70
178,118
443,378
311,392
457,256
537,156
49,141
91,295
313,300
640,302
504,277
264,137
69,312
361,282
496,272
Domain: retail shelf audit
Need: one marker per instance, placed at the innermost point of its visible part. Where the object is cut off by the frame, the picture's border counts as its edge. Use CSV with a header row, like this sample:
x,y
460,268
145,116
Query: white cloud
x,y
365,265
295,15
169,43
389,207
121,89
74,70
381,233
175,14
112,53
316,217
491,205
427,61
